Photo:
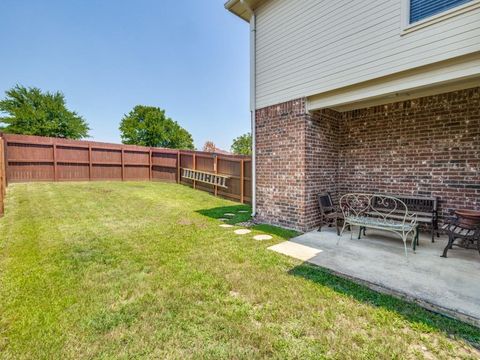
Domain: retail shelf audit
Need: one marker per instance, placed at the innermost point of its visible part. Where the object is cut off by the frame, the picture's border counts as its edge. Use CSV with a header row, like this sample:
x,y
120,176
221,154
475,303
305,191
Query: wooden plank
x,y
90,162
150,165
136,164
107,163
123,166
5,163
179,158
242,190
55,170
2,178
2,169
25,161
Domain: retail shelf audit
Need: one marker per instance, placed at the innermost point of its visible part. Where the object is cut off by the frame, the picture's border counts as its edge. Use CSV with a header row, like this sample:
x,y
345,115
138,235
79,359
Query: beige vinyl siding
x,y
307,47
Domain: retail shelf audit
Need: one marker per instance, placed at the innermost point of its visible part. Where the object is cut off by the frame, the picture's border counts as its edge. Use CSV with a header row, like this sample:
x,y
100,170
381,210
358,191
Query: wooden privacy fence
x,y
3,176
35,158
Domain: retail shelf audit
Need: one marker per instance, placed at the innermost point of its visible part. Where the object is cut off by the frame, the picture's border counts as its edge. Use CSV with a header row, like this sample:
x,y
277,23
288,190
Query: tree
x,y
33,112
209,146
148,126
242,145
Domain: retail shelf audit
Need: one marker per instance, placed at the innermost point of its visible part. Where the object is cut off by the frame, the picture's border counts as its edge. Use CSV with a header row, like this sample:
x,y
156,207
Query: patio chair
x,y
329,214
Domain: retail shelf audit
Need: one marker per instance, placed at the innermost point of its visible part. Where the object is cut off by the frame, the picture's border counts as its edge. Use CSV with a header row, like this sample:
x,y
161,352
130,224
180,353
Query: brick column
x,y
296,159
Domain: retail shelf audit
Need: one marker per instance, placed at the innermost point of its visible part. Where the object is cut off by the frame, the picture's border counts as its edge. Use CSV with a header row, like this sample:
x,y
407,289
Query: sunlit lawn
x,y
143,270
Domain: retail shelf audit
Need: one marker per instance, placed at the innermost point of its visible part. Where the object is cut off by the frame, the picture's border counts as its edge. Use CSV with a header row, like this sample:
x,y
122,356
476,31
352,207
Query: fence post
x,y
123,167
242,180
55,173
179,163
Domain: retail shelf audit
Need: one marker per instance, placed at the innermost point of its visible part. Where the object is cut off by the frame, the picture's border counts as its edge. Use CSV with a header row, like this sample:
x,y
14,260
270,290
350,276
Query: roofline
x,y
238,8
230,3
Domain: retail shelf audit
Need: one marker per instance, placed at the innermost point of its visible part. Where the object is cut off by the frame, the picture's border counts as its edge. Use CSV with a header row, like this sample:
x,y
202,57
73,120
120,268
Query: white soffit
x,y
455,74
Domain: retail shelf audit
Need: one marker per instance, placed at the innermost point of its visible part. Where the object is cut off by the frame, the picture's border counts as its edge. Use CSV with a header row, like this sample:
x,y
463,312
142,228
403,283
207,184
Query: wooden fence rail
x,y
35,158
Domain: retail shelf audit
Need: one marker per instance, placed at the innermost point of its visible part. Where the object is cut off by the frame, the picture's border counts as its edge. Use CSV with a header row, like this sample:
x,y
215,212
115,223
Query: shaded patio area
x,y
448,286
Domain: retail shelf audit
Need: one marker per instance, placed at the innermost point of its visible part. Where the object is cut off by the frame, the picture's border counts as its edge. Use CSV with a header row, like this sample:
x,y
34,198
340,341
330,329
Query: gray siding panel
x,y
307,47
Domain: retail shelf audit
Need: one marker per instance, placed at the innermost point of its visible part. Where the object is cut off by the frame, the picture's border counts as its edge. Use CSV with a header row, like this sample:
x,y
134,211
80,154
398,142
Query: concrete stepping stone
x,y
262,237
223,219
242,231
243,211
226,226
228,214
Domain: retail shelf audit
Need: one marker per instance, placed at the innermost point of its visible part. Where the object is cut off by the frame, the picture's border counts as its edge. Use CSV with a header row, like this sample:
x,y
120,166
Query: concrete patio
x,y
448,286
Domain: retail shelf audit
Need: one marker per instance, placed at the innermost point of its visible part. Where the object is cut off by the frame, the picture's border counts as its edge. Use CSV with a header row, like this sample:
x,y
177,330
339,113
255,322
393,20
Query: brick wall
x,y
322,160
280,171
427,146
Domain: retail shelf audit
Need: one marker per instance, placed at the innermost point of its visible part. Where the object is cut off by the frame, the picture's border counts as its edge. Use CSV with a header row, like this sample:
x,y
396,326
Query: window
x,y
421,9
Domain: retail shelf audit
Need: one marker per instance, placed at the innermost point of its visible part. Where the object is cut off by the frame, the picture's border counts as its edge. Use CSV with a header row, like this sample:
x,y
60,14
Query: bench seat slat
x,y
400,217
419,213
378,223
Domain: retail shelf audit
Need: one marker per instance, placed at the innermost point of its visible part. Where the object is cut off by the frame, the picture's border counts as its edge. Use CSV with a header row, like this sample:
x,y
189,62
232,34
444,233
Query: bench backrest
x,y
421,205
384,207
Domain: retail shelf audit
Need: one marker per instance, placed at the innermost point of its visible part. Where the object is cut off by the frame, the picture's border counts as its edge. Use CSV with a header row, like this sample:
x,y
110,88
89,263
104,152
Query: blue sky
x,y
187,57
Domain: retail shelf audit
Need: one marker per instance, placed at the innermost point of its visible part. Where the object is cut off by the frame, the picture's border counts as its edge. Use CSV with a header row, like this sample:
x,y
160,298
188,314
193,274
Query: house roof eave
x,y
238,8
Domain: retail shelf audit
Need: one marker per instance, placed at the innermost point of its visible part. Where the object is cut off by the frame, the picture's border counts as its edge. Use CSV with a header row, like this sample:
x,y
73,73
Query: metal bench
x,y
424,207
382,212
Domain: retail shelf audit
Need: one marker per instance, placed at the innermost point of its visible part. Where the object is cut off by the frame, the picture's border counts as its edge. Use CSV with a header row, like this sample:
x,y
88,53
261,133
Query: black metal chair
x,y
329,214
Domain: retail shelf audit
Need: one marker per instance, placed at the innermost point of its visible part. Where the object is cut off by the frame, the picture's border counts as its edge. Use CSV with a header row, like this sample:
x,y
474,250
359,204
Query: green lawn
x,y
143,270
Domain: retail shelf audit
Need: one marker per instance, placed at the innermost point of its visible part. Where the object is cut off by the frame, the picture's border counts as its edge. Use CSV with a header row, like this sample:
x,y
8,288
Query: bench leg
x,y
451,239
415,240
341,233
404,238
435,225
360,233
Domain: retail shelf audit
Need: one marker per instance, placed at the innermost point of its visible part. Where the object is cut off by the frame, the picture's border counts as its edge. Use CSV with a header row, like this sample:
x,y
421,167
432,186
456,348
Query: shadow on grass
x,y
411,312
237,210
239,216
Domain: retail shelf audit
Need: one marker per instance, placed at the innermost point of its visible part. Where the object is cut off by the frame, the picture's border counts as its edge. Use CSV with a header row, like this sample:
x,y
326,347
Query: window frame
x,y
408,27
